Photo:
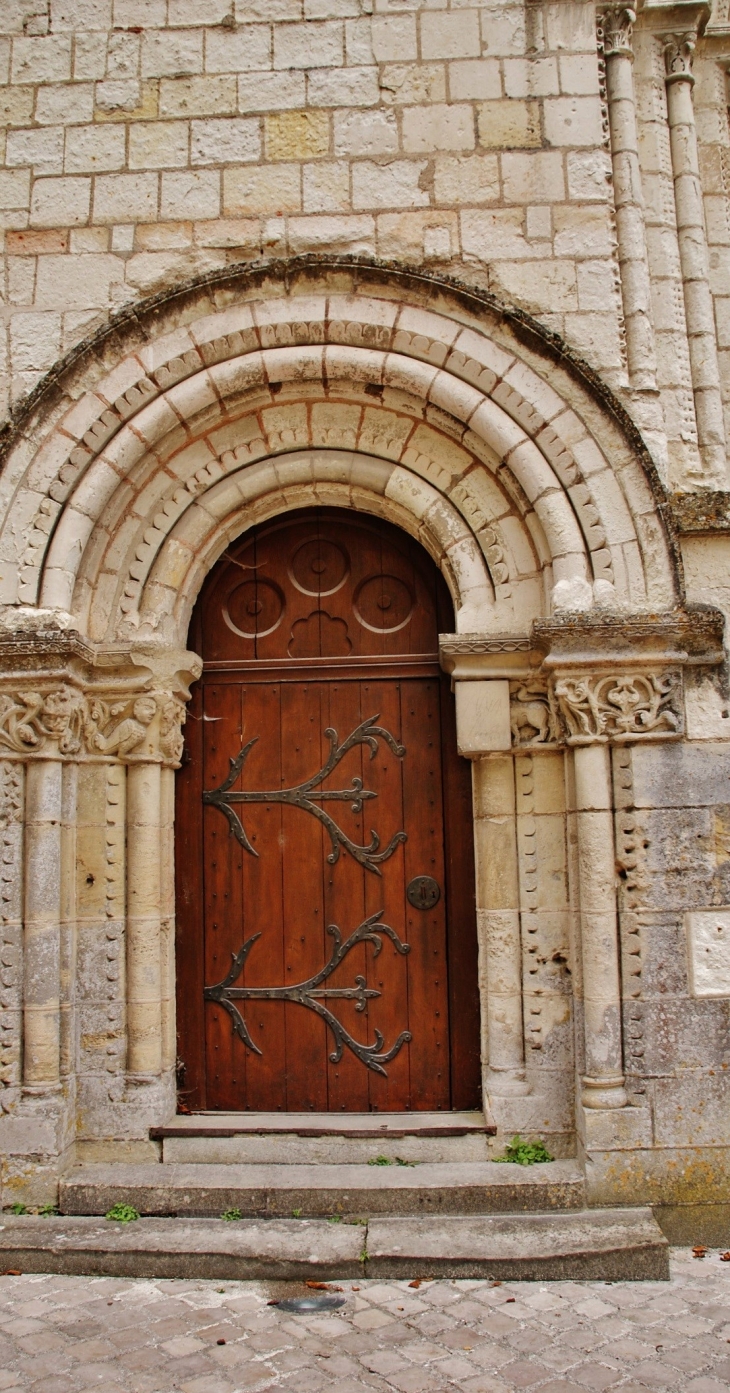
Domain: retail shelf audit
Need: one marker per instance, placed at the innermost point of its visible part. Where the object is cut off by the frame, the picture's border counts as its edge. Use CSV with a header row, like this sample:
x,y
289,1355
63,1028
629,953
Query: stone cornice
x,y
688,638
679,17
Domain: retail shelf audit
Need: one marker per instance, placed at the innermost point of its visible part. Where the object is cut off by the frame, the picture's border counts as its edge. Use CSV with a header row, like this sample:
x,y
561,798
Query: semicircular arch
x,y
520,482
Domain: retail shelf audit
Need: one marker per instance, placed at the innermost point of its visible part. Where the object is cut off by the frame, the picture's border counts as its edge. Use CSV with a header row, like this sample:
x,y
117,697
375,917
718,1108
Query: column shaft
x,y
144,1026
167,940
694,258
499,911
615,26
603,1085
41,928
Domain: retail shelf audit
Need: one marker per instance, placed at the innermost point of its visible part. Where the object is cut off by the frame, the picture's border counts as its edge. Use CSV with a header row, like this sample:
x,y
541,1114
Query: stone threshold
x,y
350,1125
588,1245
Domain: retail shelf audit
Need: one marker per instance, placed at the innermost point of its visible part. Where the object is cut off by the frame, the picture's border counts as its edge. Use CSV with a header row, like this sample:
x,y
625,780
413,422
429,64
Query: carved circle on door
x,y
383,604
254,608
319,567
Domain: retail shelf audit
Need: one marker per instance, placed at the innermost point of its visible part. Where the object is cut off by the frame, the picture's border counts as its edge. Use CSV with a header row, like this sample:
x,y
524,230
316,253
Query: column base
x,y
507,1083
604,1093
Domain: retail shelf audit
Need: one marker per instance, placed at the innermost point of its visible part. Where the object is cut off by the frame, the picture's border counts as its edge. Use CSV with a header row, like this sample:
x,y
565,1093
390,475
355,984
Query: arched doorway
x,y
326,936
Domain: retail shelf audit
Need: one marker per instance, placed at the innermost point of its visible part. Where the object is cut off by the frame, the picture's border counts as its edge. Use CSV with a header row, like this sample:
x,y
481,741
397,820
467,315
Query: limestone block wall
x,y
150,140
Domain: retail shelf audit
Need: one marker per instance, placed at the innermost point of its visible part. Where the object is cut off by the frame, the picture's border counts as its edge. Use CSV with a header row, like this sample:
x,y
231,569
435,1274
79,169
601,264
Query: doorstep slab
x,y
277,1191
589,1245
245,1249
307,1124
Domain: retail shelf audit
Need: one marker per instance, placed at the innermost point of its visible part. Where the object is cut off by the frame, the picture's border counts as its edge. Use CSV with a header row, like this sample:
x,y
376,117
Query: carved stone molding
x,y
453,645
615,23
621,706
63,721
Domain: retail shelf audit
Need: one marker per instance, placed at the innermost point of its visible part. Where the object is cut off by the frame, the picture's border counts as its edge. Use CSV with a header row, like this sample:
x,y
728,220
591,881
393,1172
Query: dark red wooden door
x,y
325,882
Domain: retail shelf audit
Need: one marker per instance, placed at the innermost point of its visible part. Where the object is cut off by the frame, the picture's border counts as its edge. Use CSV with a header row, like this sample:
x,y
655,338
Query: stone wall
x,y
460,265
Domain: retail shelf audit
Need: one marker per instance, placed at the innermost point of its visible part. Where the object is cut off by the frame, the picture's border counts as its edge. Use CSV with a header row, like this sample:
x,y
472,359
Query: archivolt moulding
x,y
112,516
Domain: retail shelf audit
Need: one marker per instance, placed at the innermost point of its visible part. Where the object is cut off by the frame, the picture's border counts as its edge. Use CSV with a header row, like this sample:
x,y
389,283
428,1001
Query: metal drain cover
x,y
309,1303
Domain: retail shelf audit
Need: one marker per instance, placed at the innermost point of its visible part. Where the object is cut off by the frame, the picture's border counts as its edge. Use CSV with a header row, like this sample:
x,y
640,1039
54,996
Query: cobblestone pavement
x,y
70,1334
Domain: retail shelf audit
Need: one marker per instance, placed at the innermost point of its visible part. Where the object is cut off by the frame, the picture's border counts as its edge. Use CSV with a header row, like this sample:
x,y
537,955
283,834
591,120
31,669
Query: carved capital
x,y
534,714
621,706
615,25
64,721
678,55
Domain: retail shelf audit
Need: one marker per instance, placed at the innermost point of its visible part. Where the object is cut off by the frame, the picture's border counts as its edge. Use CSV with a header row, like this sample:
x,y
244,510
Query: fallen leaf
x,y
220,1342
725,1257
698,1251
322,1286
510,1299
416,1282
12,1272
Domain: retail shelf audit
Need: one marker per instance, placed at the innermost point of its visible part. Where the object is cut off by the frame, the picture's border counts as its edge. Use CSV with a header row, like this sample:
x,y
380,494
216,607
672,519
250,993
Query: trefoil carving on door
x,y
312,994
304,796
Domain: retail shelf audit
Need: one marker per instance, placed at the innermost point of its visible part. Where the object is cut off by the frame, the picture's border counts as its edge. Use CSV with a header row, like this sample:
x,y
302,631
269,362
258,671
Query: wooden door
x,y
326,940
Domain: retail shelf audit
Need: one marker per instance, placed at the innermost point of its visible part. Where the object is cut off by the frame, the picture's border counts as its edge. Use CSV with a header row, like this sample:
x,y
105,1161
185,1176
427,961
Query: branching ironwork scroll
x,y
313,994
304,795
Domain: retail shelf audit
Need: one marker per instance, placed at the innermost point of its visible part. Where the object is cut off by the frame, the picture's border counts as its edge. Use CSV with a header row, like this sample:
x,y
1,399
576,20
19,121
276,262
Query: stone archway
x,y
235,400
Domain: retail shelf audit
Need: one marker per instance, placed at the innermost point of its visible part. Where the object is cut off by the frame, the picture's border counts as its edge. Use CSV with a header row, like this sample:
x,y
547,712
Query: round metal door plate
x,y
423,892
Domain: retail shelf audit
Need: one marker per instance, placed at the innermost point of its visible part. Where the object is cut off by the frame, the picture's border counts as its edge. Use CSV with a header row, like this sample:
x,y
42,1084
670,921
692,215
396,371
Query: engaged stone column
x,y
693,255
615,22
144,910
498,898
483,725
41,929
603,1083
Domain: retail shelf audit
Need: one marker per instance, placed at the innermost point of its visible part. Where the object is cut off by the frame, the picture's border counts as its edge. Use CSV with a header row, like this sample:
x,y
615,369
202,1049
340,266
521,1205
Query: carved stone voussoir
x,y
621,706
64,721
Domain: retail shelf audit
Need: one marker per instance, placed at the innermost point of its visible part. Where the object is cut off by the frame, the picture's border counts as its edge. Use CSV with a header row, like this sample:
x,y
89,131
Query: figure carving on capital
x,y
73,723
534,718
124,736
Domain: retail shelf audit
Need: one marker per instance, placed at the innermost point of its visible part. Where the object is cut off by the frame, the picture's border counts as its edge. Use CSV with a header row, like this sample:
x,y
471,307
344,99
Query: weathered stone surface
x,y
467,1187
617,1244
465,269
612,1244
275,1249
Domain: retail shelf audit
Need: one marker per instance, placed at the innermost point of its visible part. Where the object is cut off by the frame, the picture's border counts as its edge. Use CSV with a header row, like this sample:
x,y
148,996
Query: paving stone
x,y
164,1333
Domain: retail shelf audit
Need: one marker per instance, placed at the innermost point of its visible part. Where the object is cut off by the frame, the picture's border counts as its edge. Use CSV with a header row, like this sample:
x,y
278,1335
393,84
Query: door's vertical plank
x,y
262,898
424,855
302,848
223,910
466,1087
344,897
189,910
388,972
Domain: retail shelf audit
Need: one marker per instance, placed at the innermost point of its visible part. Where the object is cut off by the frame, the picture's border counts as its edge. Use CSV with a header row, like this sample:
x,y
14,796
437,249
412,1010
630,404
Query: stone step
x,y
588,1245
322,1138
318,1191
